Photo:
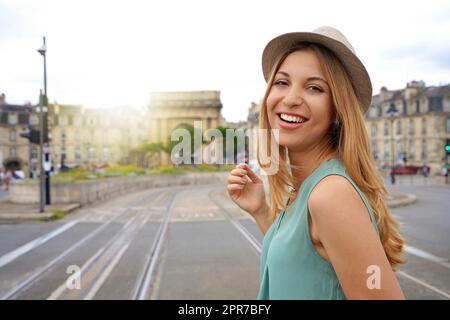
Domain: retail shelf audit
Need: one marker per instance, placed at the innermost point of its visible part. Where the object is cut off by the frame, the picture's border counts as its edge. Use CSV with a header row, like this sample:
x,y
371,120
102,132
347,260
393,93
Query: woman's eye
x,y
280,82
315,88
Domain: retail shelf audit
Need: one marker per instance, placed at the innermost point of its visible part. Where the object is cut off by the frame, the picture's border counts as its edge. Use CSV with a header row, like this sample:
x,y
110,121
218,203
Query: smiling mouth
x,y
291,119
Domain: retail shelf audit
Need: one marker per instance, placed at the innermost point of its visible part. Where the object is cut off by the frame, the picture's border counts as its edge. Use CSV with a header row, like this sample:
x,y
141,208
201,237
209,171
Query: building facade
x,y
16,152
79,136
417,134
168,111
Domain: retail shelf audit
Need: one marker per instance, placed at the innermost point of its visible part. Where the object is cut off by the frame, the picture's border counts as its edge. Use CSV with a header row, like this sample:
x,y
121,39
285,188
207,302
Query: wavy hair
x,y
347,136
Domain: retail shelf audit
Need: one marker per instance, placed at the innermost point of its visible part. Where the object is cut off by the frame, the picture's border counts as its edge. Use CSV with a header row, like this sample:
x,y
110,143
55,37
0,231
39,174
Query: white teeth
x,y
291,118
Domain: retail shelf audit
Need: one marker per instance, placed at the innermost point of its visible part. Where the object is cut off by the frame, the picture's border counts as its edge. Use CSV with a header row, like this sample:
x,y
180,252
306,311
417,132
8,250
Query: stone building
x,y
79,136
15,152
85,137
417,133
168,111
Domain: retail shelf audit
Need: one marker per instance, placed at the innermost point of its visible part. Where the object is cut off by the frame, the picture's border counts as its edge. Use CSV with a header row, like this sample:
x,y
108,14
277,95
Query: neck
x,y
303,163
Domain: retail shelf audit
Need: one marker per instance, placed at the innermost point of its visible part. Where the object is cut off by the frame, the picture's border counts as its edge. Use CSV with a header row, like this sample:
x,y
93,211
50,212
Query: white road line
x,y
106,273
11,256
428,256
423,283
62,288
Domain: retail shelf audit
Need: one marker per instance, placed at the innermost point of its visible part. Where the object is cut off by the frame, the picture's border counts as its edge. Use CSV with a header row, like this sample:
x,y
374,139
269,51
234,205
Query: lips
x,y
291,121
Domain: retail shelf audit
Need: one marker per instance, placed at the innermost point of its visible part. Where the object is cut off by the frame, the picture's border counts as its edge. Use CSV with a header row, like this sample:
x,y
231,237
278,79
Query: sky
x,y
113,54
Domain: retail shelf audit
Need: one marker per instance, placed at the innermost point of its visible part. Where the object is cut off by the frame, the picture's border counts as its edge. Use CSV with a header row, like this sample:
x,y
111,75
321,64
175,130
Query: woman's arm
x,y
344,228
262,218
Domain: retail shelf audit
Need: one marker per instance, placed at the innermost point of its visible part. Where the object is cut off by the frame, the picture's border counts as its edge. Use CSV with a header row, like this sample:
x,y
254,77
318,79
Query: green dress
x,y
291,268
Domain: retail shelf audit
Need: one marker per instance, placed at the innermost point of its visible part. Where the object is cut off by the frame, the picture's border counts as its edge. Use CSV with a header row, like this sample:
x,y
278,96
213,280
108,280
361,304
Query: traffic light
x,y
34,136
447,147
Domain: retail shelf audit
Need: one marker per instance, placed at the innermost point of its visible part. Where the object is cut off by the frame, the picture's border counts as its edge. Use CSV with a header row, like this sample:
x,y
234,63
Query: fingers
x,y
235,187
236,180
251,174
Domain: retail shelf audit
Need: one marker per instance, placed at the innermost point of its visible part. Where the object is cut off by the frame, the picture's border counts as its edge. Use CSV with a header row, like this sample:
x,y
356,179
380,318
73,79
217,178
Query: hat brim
x,y
354,67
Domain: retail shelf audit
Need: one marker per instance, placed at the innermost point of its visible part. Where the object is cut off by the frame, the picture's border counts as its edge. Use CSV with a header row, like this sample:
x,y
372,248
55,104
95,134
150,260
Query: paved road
x,y
186,243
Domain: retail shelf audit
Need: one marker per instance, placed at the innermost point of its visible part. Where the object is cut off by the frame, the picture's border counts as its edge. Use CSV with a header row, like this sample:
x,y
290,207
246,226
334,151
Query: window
x,y
34,153
13,152
373,129
399,147
374,147
387,148
411,150
23,118
62,121
4,118
411,127
63,136
447,125
399,127
13,119
91,153
13,135
77,136
424,125
77,154
417,106
34,120
386,128
424,149
435,103
77,121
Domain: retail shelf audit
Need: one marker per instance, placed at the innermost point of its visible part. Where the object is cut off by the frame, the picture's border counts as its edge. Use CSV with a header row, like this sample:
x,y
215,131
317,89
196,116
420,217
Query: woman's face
x,y
299,103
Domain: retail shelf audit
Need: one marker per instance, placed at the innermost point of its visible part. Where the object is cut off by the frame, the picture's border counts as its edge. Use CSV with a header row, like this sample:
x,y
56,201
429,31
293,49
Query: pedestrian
x,y
2,176
392,174
8,178
445,173
328,233
425,171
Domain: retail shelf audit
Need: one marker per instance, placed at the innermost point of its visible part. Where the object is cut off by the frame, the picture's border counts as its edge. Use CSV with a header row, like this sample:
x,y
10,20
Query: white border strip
x,y
11,256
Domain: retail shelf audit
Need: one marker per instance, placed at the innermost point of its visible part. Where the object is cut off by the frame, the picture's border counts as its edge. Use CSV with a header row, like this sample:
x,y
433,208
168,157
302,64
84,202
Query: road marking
x,y
11,256
428,256
410,277
106,273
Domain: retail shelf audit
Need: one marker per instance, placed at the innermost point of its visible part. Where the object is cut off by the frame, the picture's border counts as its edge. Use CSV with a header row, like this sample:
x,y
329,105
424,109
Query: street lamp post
x,y
392,113
44,129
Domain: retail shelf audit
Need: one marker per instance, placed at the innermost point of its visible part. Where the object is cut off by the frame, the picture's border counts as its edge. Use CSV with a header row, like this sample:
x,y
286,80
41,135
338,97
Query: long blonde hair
x,y
349,139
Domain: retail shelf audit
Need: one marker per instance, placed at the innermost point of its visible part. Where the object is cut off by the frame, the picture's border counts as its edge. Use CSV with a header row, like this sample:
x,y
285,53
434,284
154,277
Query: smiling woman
x,y
327,227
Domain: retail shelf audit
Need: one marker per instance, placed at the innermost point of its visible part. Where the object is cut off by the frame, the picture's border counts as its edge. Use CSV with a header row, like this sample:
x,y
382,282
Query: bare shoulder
x,y
335,193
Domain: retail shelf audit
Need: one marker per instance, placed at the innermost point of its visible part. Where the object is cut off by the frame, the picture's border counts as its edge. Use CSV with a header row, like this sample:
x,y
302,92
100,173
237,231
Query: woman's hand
x,y
246,189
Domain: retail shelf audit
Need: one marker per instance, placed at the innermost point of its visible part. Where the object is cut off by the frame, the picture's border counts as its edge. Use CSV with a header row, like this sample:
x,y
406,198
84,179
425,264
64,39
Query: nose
x,y
293,98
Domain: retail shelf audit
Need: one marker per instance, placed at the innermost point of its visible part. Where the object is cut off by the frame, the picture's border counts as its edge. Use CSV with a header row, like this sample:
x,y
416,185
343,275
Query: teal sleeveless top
x,y
291,268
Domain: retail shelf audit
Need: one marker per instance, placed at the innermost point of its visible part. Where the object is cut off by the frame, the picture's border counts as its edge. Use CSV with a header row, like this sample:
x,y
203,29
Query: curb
x,y
65,208
404,199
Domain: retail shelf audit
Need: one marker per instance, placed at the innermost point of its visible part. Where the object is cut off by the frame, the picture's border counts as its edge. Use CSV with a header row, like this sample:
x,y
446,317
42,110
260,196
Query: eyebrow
x,y
308,79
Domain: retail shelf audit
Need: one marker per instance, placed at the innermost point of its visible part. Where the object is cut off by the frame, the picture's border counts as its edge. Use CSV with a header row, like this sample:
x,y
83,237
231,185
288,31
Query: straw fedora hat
x,y
335,41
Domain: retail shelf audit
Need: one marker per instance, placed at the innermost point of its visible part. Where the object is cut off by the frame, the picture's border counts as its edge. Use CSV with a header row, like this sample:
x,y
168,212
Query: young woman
x,y
328,232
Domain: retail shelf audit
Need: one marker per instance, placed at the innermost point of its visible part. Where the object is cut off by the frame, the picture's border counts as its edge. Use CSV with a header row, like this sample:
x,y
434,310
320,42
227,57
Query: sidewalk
x,y
14,211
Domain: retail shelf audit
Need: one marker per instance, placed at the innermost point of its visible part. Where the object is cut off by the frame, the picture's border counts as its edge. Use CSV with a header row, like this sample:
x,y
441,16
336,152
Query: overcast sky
x,y
114,53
